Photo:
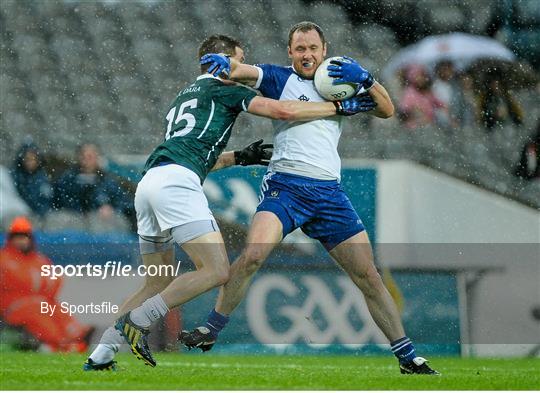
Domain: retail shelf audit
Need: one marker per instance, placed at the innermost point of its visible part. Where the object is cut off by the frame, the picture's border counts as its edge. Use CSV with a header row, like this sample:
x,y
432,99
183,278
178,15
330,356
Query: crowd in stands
x,y
83,188
448,99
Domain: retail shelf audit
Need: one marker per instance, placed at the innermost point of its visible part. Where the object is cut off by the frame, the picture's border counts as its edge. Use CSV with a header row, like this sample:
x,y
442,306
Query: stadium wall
x,y
489,241
419,205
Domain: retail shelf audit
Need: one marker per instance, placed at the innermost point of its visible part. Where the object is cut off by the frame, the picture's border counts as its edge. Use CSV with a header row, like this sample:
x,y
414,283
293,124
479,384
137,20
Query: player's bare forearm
x,y
306,111
243,73
225,159
384,108
291,110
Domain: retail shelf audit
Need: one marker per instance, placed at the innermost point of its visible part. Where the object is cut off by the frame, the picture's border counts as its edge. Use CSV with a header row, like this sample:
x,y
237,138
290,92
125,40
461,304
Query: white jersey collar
x,y
206,76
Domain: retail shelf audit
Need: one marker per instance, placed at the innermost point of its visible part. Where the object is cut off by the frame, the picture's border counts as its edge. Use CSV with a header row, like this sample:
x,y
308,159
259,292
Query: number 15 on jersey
x,y
176,115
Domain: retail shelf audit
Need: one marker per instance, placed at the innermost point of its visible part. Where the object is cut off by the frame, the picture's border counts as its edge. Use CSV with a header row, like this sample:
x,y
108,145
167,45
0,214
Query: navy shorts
x,y
319,207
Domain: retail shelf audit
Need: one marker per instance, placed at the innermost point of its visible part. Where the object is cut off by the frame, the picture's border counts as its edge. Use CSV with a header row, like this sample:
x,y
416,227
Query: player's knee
x,y
220,275
375,280
252,259
369,281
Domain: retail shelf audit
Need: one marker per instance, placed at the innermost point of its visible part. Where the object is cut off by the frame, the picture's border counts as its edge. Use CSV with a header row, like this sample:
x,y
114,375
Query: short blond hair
x,y
304,27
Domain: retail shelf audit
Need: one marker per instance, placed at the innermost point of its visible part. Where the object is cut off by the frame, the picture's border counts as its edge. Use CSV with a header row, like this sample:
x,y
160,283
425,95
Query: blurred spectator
x,y
418,106
23,289
464,109
445,89
30,179
529,164
444,85
87,188
497,104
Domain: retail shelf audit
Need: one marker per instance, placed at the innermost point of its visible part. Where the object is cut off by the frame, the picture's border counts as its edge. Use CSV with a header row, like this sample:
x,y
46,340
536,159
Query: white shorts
x,y
169,196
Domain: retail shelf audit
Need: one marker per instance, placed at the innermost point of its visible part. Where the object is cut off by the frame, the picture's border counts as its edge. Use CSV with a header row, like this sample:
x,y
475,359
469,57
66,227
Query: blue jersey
x,y
313,143
313,201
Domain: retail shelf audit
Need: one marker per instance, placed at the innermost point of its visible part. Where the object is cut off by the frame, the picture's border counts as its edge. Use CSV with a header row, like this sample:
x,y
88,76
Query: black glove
x,y
254,154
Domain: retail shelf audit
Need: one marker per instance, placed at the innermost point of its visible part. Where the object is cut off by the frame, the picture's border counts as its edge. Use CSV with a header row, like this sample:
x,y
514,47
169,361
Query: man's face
x,y
30,161
445,72
22,242
307,52
89,159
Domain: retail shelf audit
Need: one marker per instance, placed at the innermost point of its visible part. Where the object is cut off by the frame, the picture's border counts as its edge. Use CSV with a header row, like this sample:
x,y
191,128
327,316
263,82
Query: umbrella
x,y
462,49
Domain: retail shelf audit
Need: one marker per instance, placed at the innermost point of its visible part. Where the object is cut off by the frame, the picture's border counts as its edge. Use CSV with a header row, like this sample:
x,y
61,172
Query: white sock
x,y
108,346
150,311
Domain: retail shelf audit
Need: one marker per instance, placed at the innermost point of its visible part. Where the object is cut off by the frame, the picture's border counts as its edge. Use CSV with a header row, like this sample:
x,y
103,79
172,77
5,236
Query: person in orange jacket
x,y
23,289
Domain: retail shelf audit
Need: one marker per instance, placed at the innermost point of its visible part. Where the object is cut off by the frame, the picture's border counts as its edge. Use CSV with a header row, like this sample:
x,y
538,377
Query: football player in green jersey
x,y
170,203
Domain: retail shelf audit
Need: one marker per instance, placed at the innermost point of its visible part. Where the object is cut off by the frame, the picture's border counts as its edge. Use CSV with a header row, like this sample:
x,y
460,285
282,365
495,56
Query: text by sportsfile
x,y
109,269
72,309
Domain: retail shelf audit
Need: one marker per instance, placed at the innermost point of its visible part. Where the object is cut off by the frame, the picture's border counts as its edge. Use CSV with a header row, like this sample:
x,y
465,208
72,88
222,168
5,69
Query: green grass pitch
x,y
254,372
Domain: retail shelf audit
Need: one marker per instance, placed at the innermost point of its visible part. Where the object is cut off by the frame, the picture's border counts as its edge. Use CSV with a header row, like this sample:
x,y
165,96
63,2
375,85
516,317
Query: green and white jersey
x,y
199,123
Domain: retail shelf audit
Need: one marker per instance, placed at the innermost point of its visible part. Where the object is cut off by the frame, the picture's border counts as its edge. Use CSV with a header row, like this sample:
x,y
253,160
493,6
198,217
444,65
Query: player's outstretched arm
x,y
243,73
307,111
256,153
291,110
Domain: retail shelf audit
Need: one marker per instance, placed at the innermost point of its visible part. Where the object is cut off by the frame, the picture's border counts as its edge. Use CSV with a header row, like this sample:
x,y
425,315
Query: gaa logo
x,y
274,193
339,95
303,97
290,323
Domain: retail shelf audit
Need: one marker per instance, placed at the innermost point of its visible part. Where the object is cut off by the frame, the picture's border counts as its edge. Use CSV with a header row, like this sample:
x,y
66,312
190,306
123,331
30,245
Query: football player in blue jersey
x,y
302,190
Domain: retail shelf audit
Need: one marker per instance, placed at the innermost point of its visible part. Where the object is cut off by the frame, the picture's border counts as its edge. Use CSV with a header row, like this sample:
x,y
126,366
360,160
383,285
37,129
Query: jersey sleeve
x,y
237,97
272,80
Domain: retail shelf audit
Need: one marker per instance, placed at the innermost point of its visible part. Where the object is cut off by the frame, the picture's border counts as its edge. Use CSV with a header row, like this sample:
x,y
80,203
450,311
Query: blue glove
x,y
354,105
349,71
219,63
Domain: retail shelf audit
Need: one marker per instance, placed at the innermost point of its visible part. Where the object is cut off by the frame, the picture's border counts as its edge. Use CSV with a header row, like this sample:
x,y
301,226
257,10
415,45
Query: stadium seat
x,y
59,220
445,18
